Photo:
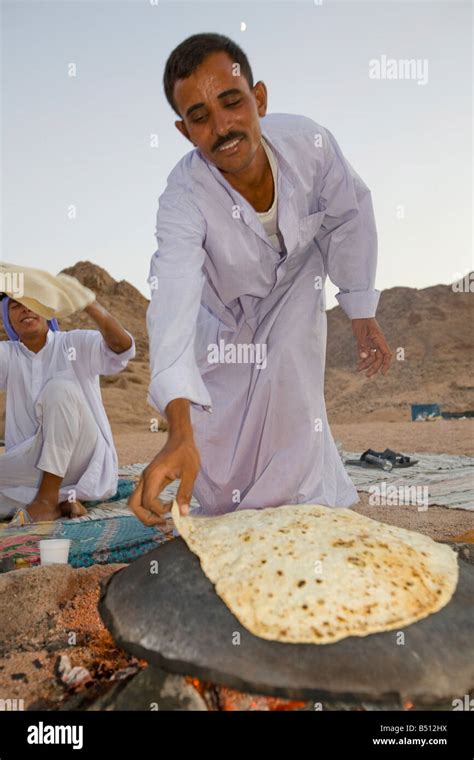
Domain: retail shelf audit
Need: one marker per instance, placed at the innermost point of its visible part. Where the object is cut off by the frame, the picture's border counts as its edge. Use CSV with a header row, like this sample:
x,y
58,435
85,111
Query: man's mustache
x,y
227,140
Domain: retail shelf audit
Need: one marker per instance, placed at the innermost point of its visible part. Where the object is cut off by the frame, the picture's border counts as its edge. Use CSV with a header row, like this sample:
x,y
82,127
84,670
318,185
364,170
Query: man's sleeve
x,y
176,282
104,361
95,355
348,236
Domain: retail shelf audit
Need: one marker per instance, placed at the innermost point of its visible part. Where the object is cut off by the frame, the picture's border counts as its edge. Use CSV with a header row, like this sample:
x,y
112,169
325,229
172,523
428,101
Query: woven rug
x,y
96,542
449,479
111,533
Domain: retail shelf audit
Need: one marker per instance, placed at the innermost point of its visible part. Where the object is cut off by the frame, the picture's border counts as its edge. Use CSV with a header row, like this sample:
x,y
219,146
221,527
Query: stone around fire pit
x,y
152,689
175,620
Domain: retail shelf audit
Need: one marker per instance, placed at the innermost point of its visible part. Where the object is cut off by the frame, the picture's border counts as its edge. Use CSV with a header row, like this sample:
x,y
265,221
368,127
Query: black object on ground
x,y
176,621
384,460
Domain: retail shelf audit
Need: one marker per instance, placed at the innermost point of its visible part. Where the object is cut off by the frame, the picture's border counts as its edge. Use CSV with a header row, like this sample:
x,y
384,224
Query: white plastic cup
x,y
54,551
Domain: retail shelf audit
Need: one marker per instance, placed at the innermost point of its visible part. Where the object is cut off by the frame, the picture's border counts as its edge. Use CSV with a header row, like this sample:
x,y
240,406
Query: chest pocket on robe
x,y
308,229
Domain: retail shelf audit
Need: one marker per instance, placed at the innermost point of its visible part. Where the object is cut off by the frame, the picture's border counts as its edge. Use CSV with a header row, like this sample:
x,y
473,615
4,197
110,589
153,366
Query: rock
x,y
152,689
176,621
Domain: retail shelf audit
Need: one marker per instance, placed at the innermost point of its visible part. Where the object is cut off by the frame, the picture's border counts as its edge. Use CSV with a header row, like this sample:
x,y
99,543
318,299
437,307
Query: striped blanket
x,y
108,533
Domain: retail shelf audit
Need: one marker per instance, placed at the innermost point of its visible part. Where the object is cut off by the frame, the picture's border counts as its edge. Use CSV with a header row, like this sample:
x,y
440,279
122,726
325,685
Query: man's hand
x,y
179,459
372,348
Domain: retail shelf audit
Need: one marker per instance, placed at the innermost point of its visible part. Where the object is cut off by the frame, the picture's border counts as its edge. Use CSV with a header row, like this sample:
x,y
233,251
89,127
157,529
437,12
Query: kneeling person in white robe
x,y
58,440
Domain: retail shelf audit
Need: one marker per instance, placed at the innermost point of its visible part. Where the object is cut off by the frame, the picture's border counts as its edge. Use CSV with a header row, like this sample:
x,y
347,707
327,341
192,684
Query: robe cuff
x,y
174,383
117,362
359,304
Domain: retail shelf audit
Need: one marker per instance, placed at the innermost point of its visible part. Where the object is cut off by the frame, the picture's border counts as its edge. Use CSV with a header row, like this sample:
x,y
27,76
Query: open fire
x,y
223,698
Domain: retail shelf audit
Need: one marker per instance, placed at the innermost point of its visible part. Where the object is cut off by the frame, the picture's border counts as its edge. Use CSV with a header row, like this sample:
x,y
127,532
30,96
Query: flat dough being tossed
x,y
46,294
311,574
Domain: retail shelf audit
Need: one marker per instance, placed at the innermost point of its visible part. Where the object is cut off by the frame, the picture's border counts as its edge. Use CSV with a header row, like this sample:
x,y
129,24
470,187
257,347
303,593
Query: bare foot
x,y
72,509
43,510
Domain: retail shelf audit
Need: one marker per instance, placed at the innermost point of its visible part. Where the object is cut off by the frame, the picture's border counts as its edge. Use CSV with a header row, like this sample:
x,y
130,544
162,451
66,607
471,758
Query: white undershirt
x,y
269,218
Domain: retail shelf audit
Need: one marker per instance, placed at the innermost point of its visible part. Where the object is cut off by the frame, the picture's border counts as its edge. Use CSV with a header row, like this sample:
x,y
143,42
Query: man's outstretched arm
x,y
348,243
117,339
176,281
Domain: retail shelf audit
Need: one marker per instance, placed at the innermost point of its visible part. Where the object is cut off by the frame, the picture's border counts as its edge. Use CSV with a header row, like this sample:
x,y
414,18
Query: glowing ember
x,y
200,686
231,699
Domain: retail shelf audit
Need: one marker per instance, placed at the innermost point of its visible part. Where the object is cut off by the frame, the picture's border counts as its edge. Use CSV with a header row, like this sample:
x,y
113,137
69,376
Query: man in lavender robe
x,y
250,224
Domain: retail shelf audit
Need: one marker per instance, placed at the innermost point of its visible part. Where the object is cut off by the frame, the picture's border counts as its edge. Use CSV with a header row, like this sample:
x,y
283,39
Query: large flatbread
x,y
311,574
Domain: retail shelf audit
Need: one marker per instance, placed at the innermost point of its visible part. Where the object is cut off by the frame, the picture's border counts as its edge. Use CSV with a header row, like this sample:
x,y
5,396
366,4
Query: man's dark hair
x,y
190,53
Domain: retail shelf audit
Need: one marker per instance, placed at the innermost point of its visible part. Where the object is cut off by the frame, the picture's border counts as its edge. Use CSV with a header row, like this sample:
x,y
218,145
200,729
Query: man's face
x,y
218,108
25,322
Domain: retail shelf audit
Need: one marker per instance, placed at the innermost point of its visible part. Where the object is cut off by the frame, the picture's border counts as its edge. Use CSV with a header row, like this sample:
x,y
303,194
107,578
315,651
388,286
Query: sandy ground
x,y
48,612
443,436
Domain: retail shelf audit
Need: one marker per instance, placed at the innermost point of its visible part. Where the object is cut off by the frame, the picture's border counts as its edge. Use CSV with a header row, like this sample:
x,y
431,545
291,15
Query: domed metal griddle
x,y
175,619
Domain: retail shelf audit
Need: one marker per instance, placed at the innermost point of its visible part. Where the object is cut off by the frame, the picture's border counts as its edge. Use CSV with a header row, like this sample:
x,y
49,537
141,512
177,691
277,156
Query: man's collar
x,y
49,338
287,183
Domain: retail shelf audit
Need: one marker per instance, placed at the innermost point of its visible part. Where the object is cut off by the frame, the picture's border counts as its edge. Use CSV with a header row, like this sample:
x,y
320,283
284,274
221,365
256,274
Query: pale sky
x,y
84,141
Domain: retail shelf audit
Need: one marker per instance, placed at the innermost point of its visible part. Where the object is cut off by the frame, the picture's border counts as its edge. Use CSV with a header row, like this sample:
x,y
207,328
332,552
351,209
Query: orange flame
x,y
231,699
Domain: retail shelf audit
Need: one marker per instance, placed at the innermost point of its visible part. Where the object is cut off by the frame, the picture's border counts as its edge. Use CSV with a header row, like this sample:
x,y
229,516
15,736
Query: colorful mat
x,y
97,542
108,533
